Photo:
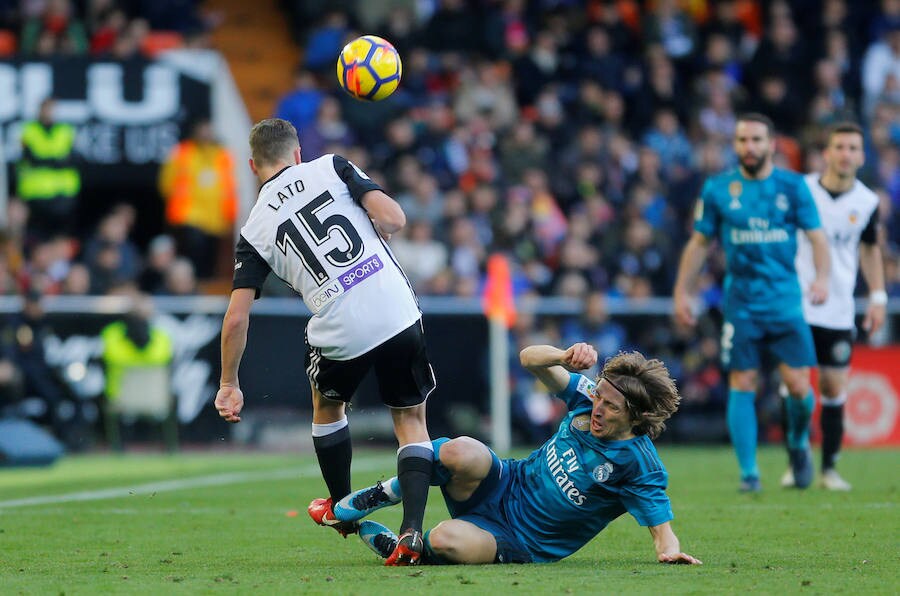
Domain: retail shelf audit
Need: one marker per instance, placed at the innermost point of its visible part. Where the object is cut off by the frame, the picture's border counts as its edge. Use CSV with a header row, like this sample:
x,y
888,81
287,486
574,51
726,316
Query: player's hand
x,y
874,318
229,403
684,310
678,559
818,291
580,356
381,232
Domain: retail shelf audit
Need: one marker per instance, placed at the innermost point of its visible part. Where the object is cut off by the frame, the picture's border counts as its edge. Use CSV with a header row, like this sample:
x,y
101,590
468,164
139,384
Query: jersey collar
x,y
274,176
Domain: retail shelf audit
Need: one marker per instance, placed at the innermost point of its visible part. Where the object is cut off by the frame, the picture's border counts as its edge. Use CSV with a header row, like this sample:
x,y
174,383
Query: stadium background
x,y
570,136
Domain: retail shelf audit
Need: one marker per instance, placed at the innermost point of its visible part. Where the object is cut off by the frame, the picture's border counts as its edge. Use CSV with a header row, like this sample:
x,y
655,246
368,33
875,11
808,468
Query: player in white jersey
x,y
849,214
321,227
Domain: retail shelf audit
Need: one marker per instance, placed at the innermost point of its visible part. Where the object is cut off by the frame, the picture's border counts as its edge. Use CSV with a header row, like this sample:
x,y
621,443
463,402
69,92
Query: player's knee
x,y
444,539
797,384
459,453
743,380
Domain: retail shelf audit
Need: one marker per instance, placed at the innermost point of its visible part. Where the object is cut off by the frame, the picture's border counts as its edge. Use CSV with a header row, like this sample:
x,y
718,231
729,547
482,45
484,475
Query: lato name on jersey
x,y
289,190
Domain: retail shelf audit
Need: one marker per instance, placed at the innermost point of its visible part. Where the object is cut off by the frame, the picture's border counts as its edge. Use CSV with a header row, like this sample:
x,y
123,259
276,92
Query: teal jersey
x,y
757,222
571,488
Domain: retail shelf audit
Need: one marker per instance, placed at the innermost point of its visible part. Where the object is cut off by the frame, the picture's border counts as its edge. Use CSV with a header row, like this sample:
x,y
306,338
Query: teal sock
x,y
799,411
440,475
429,557
741,417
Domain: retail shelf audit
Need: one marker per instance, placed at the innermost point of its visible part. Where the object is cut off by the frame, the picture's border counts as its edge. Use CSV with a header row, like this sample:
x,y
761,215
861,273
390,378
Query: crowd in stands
x,y
571,135
575,136
117,29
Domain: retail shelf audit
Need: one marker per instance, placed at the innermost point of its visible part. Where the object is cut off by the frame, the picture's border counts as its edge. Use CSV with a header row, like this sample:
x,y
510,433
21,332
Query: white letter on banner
x,y
9,93
106,94
37,85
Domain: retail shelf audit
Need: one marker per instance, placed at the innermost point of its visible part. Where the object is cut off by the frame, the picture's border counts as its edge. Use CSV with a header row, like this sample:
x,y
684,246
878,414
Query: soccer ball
x,y
369,68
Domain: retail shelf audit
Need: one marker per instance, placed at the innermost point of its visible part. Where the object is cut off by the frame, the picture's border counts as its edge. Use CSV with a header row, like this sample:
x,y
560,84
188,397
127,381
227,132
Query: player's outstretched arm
x,y
818,290
692,260
230,399
384,211
872,266
668,550
552,365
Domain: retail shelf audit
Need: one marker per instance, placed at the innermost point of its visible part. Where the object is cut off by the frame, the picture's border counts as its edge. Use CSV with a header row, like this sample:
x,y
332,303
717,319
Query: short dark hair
x,y
843,128
651,396
272,140
757,117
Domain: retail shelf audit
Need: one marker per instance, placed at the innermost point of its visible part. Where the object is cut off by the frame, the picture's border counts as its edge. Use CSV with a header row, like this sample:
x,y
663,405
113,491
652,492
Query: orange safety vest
x,y
185,188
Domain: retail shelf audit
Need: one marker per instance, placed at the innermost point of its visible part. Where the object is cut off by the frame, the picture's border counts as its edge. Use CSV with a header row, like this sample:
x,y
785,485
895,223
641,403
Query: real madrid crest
x,y
854,216
781,201
601,473
735,189
582,422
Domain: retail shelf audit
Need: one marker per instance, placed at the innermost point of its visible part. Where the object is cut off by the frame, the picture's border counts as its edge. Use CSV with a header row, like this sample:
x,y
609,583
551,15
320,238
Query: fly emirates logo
x,y
560,466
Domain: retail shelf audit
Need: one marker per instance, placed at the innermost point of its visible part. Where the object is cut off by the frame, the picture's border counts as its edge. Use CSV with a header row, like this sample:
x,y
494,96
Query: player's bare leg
x,y
414,462
469,462
331,438
799,407
458,541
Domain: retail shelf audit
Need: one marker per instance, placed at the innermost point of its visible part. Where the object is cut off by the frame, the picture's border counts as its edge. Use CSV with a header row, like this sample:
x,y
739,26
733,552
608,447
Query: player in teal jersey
x,y
755,212
600,464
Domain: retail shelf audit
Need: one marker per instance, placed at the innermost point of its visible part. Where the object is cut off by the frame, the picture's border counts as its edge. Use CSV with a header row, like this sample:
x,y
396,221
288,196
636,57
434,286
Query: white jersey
x,y
309,228
846,220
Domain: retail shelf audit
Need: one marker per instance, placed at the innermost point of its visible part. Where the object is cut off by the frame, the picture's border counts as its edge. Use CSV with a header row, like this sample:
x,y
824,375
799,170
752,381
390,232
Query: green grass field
x,y
222,523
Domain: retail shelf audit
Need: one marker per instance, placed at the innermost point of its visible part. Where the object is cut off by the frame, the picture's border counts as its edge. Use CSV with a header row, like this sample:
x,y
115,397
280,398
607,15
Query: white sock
x,y
323,430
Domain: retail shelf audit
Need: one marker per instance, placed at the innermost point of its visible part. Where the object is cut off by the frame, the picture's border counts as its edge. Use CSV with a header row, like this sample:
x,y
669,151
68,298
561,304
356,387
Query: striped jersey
x,y
847,219
309,228
757,222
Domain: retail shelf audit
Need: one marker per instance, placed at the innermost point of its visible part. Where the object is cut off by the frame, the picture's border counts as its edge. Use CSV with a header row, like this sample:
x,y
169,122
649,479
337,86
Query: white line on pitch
x,y
180,484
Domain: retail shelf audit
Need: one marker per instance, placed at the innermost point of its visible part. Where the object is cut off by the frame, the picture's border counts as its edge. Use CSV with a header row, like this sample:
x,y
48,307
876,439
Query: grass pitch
x,y
237,523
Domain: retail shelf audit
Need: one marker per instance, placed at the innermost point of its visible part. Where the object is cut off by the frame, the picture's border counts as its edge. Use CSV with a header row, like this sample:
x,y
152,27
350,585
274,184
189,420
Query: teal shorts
x,y
789,341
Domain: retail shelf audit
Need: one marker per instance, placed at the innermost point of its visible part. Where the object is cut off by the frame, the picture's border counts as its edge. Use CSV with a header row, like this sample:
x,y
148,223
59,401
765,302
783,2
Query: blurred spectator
x,y
47,266
133,341
424,201
668,141
160,256
484,90
328,129
599,62
595,327
300,106
55,30
23,338
421,256
107,23
199,187
781,54
48,180
537,69
110,256
521,150
670,26
325,42
77,281
180,278
881,62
